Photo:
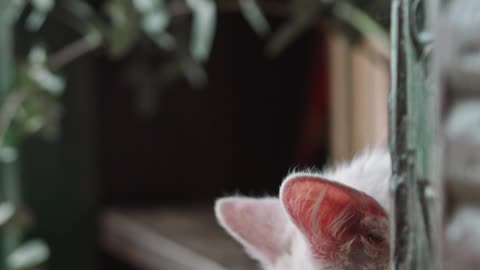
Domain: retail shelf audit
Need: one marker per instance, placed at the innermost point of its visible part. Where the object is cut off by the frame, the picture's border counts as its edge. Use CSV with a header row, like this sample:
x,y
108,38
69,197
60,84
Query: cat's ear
x,y
333,216
258,224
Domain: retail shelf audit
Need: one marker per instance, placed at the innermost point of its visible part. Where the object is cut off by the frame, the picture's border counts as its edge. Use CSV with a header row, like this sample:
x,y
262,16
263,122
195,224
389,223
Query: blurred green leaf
x,y
40,109
194,73
90,41
37,56
93,37
39,72
124,29
18,216
291,31
359,20
7,211
203,32
28,255
34,123
35,20
47,80
8,135
155,23
43,5
145,6
37,17
254,16
82,18
164,40
8,154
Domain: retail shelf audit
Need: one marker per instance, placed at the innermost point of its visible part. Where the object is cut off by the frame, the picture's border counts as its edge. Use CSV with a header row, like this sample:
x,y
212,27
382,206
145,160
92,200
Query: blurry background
x,y
150,132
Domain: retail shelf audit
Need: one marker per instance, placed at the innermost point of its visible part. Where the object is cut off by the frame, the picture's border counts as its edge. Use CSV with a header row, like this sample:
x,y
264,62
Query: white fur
x,y
370,173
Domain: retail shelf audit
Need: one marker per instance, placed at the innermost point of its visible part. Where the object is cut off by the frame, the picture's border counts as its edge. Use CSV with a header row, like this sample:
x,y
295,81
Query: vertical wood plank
x,y
340,122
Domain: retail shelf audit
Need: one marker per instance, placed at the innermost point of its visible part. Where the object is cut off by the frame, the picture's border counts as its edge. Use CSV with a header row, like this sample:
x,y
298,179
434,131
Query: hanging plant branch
x,y
360,21
254,15
75,50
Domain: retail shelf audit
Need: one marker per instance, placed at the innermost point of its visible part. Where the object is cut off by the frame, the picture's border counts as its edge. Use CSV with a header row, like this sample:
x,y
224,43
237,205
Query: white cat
x,y
336,219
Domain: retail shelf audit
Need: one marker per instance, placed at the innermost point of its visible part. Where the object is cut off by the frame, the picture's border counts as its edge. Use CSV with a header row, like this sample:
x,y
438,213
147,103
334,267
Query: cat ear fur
x,y
258,224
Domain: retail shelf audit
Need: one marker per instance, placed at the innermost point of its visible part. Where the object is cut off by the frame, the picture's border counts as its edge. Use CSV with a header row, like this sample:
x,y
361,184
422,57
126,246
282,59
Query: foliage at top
x,y
184,29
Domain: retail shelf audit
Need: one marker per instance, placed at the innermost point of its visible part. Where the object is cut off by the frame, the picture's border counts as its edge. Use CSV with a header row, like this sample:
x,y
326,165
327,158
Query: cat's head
x,y
316,224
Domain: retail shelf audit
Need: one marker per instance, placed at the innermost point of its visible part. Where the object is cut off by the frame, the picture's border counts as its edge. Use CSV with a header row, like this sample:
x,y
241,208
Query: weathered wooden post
x,y
415,212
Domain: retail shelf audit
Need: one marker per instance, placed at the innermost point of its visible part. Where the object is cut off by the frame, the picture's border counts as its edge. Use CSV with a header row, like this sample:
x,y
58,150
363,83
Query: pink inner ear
x,y
328,213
